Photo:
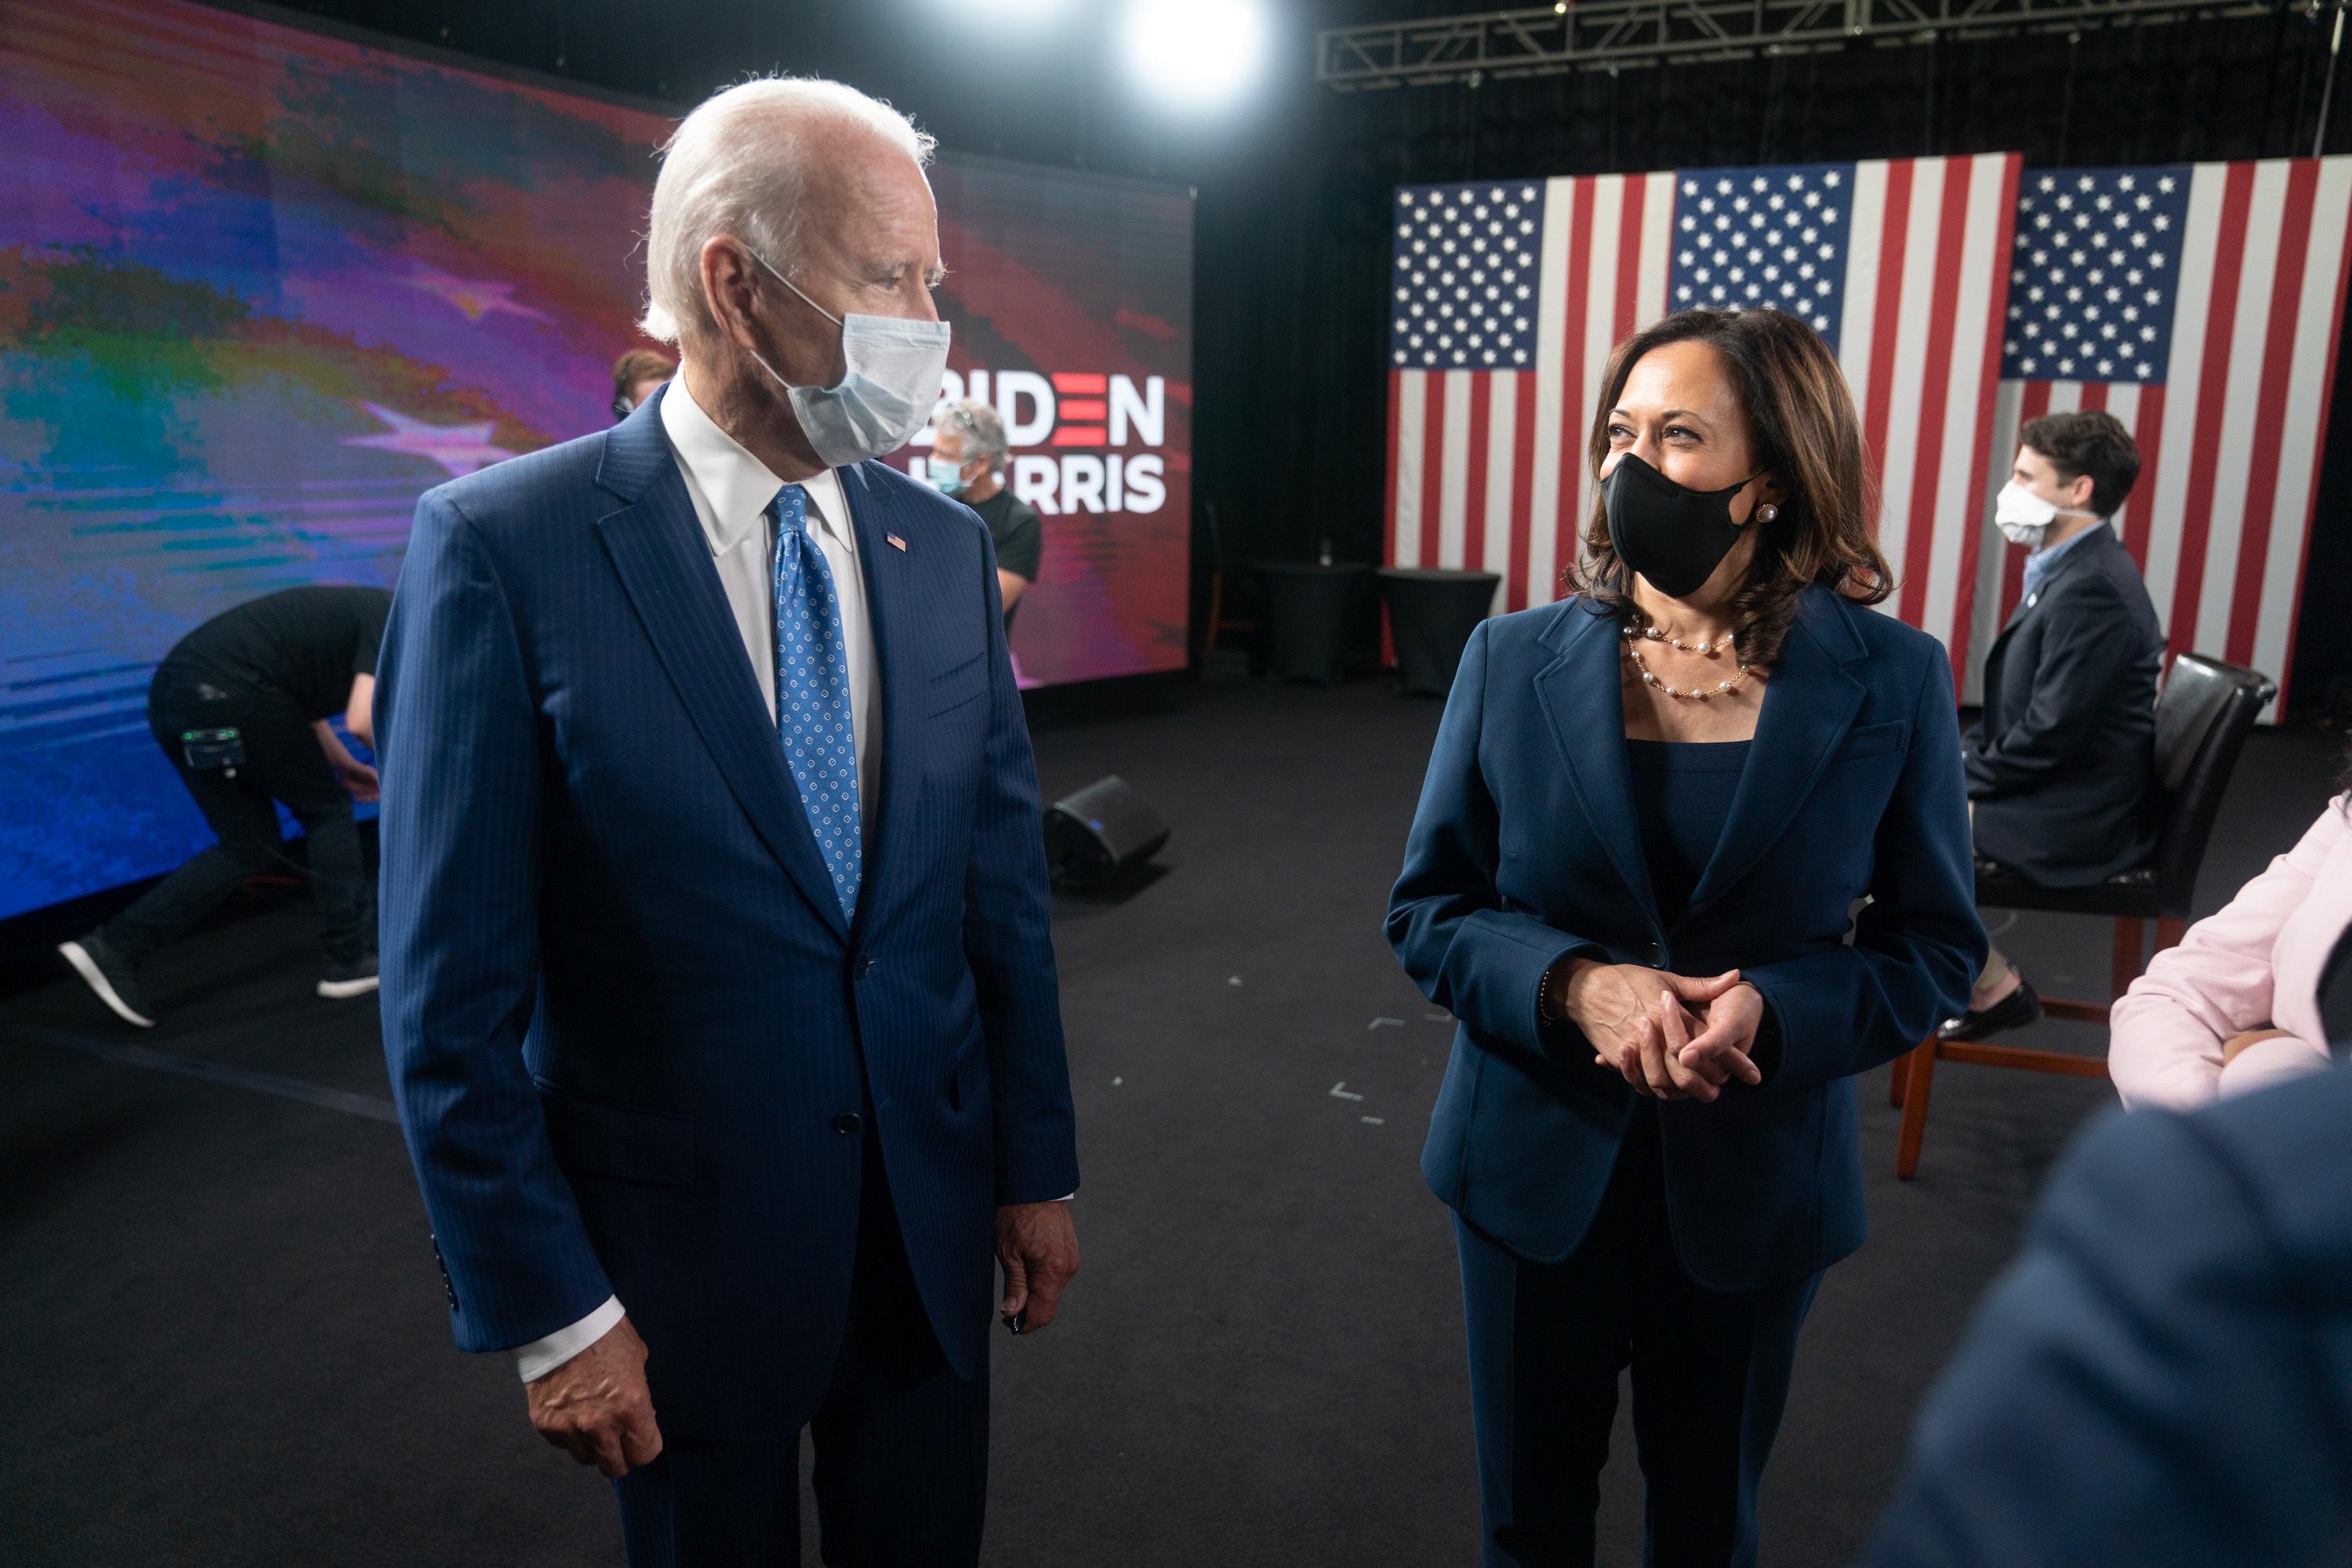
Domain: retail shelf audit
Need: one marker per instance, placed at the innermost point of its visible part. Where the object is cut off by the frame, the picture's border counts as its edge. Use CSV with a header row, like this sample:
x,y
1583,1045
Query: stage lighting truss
x,y
1612,35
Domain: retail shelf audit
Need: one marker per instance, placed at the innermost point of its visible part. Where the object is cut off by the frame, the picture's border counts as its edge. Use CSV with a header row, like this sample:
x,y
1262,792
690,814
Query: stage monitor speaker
x,y
1104,830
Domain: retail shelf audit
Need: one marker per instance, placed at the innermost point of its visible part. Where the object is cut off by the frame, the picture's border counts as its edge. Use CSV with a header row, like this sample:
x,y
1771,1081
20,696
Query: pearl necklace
x,y
1703,649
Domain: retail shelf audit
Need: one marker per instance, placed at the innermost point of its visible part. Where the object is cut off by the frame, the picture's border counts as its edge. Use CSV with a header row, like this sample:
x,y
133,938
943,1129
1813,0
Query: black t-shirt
x,y
2335,994
305,644
1020,538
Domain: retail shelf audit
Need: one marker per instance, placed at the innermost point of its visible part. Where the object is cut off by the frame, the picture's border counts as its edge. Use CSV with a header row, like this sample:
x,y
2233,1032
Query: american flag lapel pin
x,y
896,542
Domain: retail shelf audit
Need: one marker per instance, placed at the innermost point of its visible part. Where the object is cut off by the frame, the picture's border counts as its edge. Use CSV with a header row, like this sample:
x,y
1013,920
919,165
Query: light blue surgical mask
x,y
890,383
946,478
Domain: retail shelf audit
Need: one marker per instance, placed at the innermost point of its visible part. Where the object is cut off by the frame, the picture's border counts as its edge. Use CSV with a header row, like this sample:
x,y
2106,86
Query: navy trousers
x,y
901,1442
1547,1344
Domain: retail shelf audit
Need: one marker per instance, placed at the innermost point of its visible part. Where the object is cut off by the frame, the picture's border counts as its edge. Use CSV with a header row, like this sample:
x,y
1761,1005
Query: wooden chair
x,y
2201,722
1218,623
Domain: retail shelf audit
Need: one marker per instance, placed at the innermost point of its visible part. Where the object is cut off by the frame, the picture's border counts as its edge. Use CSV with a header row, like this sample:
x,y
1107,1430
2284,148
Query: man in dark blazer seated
x,y
2164,1378
719,996
2061,772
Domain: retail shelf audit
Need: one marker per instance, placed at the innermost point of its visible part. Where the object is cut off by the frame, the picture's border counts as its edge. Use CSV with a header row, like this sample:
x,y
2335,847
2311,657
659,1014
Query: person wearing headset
x,y
968,460
240,706
636,375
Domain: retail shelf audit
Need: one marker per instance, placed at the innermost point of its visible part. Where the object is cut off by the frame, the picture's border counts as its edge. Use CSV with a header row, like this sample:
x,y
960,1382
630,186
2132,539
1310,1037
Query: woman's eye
x,y
1681,432
1619,432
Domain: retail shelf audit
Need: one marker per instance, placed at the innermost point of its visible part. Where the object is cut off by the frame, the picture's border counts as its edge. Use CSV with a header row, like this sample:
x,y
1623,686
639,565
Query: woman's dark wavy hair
x,y
1801,417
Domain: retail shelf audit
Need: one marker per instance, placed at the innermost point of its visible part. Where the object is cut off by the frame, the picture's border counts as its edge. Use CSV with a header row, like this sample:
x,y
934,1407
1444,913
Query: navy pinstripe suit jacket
x,y
621,1005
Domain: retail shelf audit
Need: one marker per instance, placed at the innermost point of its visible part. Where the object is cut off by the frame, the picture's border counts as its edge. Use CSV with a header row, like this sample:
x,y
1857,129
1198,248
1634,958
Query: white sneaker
x,y
103,971
343,980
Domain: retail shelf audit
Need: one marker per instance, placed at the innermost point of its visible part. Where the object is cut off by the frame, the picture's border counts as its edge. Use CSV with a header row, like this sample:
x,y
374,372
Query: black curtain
x,y
1293,189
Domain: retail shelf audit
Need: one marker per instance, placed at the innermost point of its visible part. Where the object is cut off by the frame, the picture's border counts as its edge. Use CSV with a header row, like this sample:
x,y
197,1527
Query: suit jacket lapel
x,y
1583,705
1810,702
888,603
2076,554
658,549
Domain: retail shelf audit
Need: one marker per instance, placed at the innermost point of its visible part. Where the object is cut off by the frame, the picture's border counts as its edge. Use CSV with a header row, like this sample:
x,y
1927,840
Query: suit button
x,y
847,1124
864,966
1658,956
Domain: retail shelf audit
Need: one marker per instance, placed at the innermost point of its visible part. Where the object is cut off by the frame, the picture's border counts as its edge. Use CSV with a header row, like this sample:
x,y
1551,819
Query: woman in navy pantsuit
x,y
1651,814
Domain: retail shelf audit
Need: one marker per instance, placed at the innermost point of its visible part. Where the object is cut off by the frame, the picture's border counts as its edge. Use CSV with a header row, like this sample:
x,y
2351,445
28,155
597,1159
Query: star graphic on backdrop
x,y
477,297
458,448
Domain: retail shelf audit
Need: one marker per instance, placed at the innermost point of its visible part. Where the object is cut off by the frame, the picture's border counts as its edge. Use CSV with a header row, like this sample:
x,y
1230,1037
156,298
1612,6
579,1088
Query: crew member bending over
x,y
273,671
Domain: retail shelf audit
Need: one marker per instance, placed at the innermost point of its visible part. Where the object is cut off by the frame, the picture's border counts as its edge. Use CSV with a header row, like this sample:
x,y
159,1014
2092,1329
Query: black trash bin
x,y
1431,612
1308,608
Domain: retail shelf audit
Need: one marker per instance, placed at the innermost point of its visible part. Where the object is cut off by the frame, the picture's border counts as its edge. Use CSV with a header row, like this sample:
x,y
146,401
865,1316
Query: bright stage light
x,y
1010,10
1195,51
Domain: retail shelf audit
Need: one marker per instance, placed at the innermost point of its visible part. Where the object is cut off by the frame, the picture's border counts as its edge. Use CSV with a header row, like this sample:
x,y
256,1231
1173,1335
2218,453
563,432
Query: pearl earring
x,y
1767,512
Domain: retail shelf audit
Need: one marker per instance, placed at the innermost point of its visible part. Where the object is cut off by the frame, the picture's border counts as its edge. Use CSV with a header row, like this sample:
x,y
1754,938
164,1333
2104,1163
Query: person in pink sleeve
x,y
2234,1005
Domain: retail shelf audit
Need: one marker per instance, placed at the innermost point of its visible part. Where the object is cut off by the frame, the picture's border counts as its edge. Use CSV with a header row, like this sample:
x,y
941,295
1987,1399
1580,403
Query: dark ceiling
x,y
1054,90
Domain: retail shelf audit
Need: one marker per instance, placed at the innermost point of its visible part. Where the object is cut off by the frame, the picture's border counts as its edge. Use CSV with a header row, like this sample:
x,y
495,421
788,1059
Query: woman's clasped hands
x,y
1674,1037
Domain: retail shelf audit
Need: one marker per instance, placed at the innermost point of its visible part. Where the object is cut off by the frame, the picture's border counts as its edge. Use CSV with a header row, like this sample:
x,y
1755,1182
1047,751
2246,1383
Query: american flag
x,y
2199,304
1901,265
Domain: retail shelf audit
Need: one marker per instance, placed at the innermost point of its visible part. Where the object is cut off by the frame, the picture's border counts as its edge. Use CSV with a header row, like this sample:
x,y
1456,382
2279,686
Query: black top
x,y
1019,537
2335,996
1682,795
304,644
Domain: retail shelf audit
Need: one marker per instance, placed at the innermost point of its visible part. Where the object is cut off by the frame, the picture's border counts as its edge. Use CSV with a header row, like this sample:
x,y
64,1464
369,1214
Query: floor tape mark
x,y
375,1106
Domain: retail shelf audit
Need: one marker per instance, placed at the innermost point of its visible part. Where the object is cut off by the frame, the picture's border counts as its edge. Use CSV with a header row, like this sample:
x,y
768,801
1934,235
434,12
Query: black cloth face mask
x,y
1673,536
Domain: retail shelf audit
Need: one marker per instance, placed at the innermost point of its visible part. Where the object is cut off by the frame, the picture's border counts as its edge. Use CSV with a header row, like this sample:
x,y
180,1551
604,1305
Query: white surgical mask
x,y
2023,517
888,388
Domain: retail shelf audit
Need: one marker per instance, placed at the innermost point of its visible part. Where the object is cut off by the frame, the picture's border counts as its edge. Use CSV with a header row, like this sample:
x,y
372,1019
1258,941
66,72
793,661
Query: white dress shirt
x,y
731,489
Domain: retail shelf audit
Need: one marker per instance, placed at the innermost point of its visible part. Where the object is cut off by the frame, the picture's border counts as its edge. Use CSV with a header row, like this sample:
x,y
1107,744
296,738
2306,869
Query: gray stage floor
x,y
222,1337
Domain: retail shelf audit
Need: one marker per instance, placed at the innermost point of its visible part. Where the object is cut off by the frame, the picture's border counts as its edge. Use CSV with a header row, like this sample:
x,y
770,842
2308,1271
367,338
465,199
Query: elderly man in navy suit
x,y
718,990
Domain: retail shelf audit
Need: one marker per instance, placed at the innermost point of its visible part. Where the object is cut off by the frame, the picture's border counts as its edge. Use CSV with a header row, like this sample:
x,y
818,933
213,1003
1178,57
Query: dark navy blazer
x,y
2062,769
624,1014
1526,851
2163,1378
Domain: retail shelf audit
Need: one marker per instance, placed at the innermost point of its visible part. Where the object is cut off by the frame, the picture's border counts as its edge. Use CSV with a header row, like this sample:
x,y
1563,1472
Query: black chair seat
x,y
2134,895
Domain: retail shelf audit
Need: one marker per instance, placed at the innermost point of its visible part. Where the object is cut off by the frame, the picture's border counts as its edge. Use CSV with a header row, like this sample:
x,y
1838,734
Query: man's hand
x,y
596,1406
1039,1247
358,777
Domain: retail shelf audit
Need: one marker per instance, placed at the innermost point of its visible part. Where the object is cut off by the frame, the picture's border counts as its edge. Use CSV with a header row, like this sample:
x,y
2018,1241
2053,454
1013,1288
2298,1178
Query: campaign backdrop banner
x,y
261,287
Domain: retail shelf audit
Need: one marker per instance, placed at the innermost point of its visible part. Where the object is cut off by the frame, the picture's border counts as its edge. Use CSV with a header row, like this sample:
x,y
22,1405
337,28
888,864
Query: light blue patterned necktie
x,y
813,707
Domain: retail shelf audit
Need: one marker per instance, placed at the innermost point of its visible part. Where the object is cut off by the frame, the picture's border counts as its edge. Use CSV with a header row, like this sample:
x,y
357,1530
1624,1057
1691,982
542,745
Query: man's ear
x,y
729,286
2075,493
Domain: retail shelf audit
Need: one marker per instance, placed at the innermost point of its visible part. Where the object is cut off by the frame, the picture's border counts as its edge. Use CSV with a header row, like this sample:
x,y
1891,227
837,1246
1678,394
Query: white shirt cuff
x,y
537,1359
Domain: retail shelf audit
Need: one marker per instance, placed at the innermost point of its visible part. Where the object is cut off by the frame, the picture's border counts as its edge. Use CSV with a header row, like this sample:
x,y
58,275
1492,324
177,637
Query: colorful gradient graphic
x,y
260,289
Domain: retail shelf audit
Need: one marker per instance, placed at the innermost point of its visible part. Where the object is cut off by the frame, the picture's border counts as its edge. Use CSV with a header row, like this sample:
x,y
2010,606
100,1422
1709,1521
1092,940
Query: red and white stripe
x,y
1487,470
2230,443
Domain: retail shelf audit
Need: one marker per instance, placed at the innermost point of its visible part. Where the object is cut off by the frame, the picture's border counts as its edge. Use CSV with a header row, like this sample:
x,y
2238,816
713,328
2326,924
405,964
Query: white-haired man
x,y
719,996
968,459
